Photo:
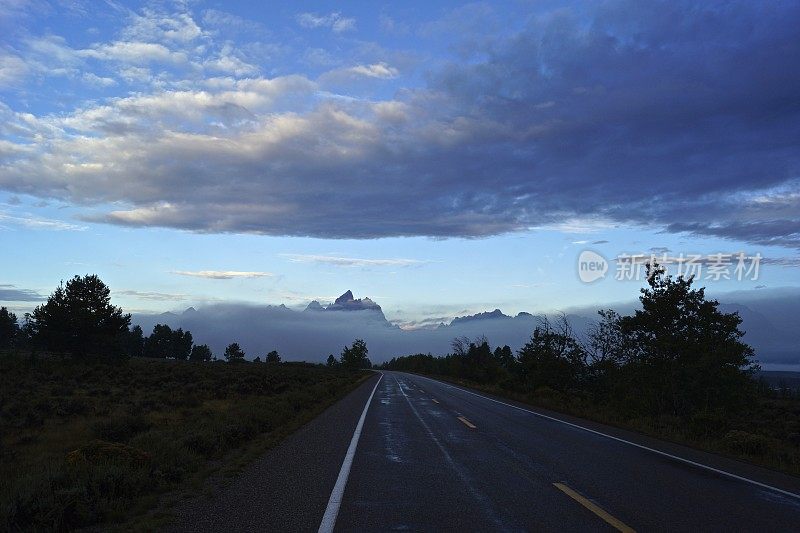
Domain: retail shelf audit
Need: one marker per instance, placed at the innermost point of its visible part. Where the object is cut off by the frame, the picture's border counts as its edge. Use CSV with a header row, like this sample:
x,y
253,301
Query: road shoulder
x,y
287,489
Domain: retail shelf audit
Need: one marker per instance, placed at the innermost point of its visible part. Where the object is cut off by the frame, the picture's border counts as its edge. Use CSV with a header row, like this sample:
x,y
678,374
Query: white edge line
x,y
643,447
335,501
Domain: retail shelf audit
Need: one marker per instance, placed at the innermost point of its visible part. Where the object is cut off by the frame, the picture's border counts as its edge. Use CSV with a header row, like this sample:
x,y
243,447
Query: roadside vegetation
x,y
676,369
98,423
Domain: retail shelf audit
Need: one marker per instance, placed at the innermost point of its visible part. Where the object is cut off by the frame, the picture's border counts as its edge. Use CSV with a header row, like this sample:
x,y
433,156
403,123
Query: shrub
x,y
120,428
745,443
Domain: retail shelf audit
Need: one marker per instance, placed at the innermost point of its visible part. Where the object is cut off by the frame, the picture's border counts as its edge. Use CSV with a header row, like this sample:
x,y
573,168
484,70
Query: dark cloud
x,y
676,114
768,232
9,293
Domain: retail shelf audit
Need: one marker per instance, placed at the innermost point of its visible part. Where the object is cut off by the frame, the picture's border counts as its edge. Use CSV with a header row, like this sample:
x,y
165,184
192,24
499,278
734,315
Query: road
x,y
430,456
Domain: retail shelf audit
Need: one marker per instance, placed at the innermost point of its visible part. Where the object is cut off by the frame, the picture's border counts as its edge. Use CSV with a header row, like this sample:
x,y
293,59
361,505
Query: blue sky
x,y
442,158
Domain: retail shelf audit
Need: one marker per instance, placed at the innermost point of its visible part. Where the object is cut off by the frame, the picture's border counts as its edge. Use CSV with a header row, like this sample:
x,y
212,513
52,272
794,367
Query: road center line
x,y
434,400
596,509
467,423
335,501
618,439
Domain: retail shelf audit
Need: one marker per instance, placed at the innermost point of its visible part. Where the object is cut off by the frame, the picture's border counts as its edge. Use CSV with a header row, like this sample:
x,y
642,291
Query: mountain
x,y
346,302
487,315
314,306
770,320
773,343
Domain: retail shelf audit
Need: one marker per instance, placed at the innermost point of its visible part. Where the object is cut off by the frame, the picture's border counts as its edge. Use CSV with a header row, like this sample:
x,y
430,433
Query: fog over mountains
x,y
770,319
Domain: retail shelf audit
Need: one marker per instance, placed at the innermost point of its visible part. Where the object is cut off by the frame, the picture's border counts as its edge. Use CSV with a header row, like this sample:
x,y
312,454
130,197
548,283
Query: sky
x,y
441,158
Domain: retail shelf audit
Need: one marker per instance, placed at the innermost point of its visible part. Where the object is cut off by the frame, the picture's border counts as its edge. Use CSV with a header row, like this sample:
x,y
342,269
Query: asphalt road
x,y
429,456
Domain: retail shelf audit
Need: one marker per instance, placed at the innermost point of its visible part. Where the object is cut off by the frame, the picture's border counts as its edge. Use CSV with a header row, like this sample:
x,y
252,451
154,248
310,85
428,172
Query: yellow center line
x,y
596,509
435,400
467,423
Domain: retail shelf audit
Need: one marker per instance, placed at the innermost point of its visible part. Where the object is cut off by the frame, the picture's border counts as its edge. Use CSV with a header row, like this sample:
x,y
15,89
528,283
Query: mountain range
x,y
769,320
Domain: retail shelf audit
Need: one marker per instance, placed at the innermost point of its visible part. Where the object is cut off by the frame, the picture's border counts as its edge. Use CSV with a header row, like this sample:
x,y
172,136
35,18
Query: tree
x,y
201,352
684,355
166,343
182,343
272,357
135,342
460,345
257,359
9,329
78,319
355,357
606,353
159,343
332,361
552,358
505,357
233,353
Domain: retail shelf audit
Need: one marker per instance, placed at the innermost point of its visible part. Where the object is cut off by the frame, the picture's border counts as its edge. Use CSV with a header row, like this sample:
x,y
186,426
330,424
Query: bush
x,y
121,428
85,444
745,443
708,424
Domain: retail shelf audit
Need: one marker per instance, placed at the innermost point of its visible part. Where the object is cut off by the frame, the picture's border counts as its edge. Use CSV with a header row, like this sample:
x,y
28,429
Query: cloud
x,y
677,116
791,262
659,250
152,25
781,232
135,53
9,293
222,274
376,70
153,296
12,69
94,79
351,261
38,223
229,21
335,21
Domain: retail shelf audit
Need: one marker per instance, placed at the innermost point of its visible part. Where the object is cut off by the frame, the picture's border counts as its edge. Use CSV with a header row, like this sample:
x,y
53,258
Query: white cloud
x,y
376,70
152,296
135,53
94,79
335,21
222,274
579,225
351,261
229,21
151,25
227,61
38,223
12,69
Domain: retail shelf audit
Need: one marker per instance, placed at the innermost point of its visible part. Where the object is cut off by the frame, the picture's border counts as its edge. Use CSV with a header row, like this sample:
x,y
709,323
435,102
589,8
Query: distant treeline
x,y
79,321
679,355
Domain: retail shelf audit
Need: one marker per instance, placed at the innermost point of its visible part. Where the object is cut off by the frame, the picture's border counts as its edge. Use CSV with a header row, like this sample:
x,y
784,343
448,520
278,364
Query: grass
x,y
766,434
87,444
